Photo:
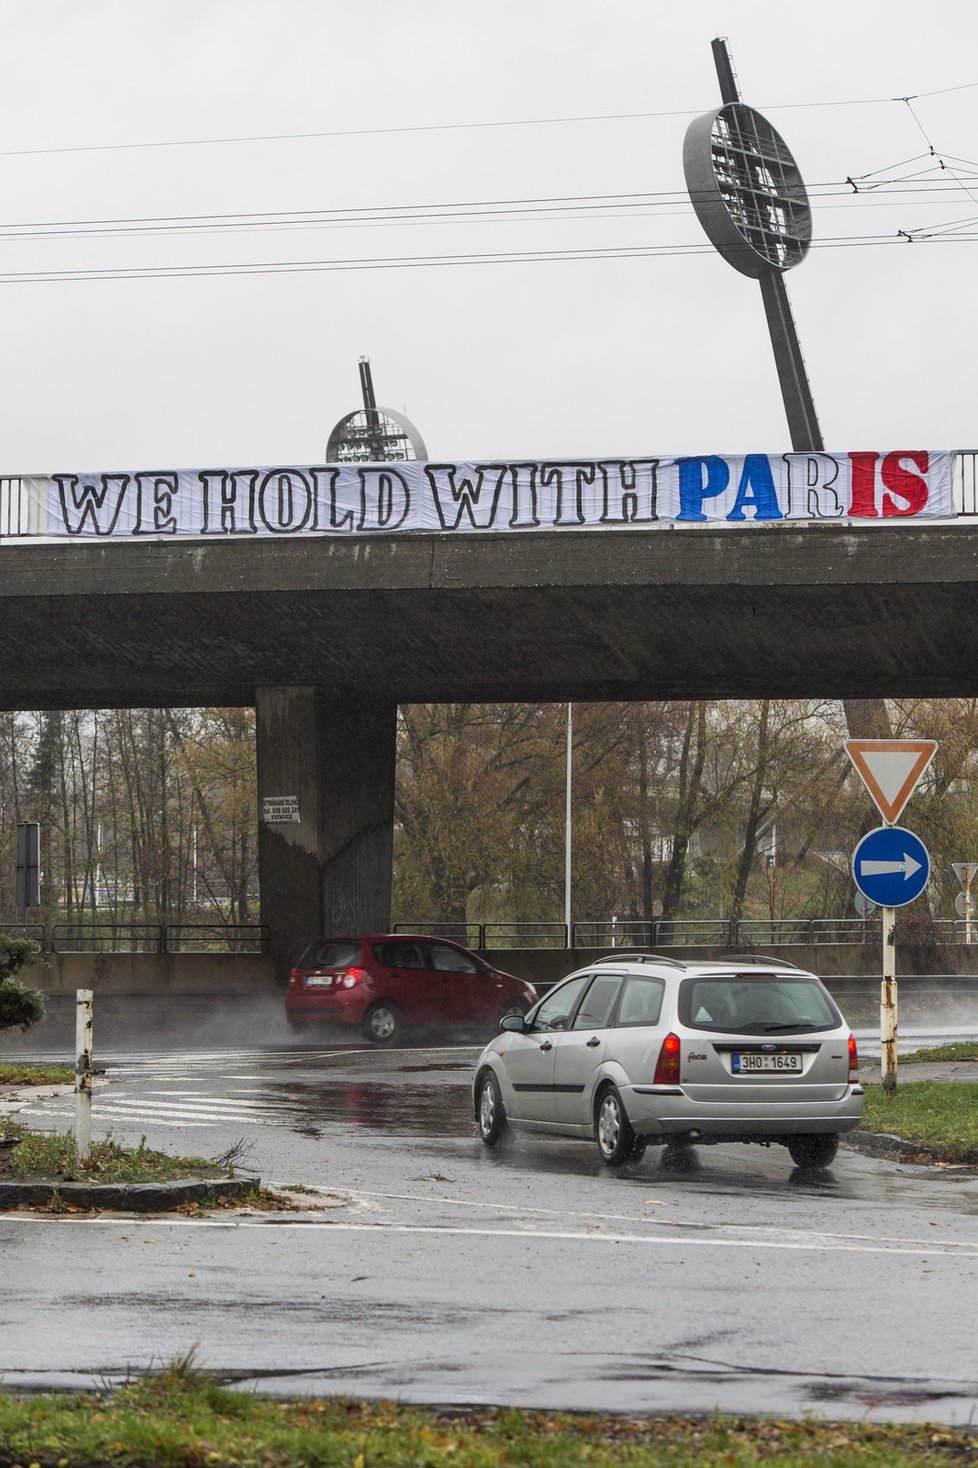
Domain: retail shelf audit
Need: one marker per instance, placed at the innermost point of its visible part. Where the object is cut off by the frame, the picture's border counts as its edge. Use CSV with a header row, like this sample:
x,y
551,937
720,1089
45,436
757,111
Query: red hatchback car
x,y
385,983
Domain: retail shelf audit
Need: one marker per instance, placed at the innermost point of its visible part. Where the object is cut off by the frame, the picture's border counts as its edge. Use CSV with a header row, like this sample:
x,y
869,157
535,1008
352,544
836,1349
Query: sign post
x,y
890,865
28,864
965,873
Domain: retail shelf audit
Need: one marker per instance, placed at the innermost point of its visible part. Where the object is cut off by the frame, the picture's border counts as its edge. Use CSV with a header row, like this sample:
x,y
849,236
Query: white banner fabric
x,y
612,493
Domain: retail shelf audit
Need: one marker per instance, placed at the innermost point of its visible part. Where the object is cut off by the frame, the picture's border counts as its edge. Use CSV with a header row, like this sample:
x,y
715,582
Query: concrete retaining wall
x,y
154,973
247,973
547,965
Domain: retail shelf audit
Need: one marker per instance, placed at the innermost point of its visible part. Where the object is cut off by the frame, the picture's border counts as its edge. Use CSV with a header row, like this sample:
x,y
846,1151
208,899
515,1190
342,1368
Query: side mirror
x,y
515,1022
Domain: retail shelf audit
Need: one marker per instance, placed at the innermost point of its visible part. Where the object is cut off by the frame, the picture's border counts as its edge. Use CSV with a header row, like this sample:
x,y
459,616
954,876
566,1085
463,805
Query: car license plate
x,y
749,1062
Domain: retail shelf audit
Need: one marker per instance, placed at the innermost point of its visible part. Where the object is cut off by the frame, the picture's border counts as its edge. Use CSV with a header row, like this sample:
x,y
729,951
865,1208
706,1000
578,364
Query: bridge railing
x,y
964,481
83,936
747,934
23,514
493,934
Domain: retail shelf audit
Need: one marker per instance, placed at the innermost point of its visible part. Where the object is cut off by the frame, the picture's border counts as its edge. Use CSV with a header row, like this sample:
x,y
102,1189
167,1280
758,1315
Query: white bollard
x,y
888,1006
83,1073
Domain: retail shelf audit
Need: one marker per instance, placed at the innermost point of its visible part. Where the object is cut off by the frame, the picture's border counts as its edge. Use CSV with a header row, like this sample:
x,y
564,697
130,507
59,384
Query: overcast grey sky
x,y
648,354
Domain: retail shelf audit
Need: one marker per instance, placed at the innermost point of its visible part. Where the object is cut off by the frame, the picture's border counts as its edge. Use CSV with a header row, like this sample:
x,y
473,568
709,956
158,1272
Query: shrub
x,y
19,1005
920,942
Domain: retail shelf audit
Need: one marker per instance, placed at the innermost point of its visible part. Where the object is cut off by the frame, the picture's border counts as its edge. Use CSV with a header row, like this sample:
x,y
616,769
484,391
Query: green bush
x,y
19,1005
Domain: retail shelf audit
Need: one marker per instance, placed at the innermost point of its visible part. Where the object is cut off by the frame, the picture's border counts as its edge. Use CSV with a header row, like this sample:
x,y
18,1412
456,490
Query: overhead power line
x,y
438,127
533,210
415,262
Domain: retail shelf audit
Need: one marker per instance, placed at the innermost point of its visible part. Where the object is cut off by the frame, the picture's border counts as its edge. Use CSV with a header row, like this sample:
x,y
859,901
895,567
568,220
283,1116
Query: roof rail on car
x,y
623,955
757,958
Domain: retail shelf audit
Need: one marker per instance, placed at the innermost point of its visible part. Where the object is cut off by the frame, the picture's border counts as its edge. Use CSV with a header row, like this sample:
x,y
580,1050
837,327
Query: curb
x,y
129,1197
898,1149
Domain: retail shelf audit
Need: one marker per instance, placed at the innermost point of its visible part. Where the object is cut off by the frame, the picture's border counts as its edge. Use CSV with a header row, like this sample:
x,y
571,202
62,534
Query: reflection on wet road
x,y
528,1274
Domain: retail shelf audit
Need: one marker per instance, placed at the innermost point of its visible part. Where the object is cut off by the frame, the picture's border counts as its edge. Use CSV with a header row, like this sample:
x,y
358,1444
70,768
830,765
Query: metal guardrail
x,y
618,933
34,931
483,936
749,933
128,937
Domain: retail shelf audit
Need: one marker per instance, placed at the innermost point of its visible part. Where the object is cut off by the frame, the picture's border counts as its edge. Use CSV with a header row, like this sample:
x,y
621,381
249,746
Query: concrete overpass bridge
x,y
325,636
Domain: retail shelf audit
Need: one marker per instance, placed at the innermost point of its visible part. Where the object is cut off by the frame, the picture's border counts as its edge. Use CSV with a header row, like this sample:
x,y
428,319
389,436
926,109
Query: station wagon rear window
x,y
752,1004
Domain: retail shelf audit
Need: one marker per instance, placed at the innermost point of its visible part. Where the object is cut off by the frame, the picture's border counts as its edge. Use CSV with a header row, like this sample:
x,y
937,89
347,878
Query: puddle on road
x,y
438,1113
405,1109
435,1066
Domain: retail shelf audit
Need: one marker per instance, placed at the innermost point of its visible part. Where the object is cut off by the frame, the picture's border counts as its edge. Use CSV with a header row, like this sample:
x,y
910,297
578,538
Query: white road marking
x,y
816,1245
760,1230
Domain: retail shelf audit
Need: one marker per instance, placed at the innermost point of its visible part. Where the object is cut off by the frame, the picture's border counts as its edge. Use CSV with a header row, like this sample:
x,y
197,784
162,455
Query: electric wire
x,y
535,210
408,262
358,132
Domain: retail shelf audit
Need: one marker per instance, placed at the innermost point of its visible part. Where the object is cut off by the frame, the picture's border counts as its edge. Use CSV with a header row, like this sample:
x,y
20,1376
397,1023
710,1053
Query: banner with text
x,y
358,499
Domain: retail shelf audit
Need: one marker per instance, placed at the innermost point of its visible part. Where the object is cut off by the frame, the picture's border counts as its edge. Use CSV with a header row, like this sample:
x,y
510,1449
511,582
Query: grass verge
x,y
51,1156
178,1419
12,1074
938,1115
956,1050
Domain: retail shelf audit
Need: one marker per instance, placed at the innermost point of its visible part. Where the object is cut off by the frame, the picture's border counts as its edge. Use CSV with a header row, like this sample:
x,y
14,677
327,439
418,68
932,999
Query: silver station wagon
x,y
638,1049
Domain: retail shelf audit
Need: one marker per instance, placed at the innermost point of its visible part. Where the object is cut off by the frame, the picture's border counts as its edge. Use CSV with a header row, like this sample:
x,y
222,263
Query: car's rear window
x,y
330,955
749,1004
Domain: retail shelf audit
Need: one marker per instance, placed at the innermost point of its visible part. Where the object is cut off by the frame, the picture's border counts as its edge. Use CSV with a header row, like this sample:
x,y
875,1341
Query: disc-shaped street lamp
x,y
750,198
747,190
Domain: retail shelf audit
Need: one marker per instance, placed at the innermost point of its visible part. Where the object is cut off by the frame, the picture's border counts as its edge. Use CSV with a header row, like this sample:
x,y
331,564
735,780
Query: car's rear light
x,y
667,1066
853,1059
352,977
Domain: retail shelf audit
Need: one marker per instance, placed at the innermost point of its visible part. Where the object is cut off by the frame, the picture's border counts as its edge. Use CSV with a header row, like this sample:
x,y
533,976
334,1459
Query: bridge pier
x,y
326,762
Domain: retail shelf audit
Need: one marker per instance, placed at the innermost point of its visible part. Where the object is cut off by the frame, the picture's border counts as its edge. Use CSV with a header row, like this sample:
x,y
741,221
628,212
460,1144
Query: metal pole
x,y
567,821
888,1005
83,1073
796,394
968,906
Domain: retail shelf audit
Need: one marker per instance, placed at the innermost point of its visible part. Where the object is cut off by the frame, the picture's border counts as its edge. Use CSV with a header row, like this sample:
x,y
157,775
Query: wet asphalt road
x,y
427,1268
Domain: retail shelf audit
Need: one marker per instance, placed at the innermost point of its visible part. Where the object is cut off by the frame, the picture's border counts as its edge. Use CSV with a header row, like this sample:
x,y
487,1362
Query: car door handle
x,y
594,1040
547,1045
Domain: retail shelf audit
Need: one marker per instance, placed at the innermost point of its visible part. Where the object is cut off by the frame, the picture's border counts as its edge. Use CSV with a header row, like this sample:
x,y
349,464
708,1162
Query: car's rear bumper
x,y
318,1009
675,1114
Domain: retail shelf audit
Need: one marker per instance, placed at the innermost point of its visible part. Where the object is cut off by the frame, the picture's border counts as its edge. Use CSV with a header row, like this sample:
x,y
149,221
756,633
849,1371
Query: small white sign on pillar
x,y
280,810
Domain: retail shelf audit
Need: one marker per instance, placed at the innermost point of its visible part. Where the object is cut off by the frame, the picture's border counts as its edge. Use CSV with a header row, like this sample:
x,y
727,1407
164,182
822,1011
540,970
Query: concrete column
x,y
332,753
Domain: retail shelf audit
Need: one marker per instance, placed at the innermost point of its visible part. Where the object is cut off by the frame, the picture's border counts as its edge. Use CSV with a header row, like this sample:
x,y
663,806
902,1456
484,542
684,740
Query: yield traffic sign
x,y
891,866
890,769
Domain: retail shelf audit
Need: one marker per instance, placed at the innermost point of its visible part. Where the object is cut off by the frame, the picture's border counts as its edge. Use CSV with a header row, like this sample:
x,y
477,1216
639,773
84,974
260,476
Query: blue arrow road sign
x,y
891,866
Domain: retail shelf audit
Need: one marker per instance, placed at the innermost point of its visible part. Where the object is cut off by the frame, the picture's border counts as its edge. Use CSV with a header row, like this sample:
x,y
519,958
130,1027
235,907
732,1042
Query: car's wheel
x,y
382,1022
813,1151
616,1141
490,1113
